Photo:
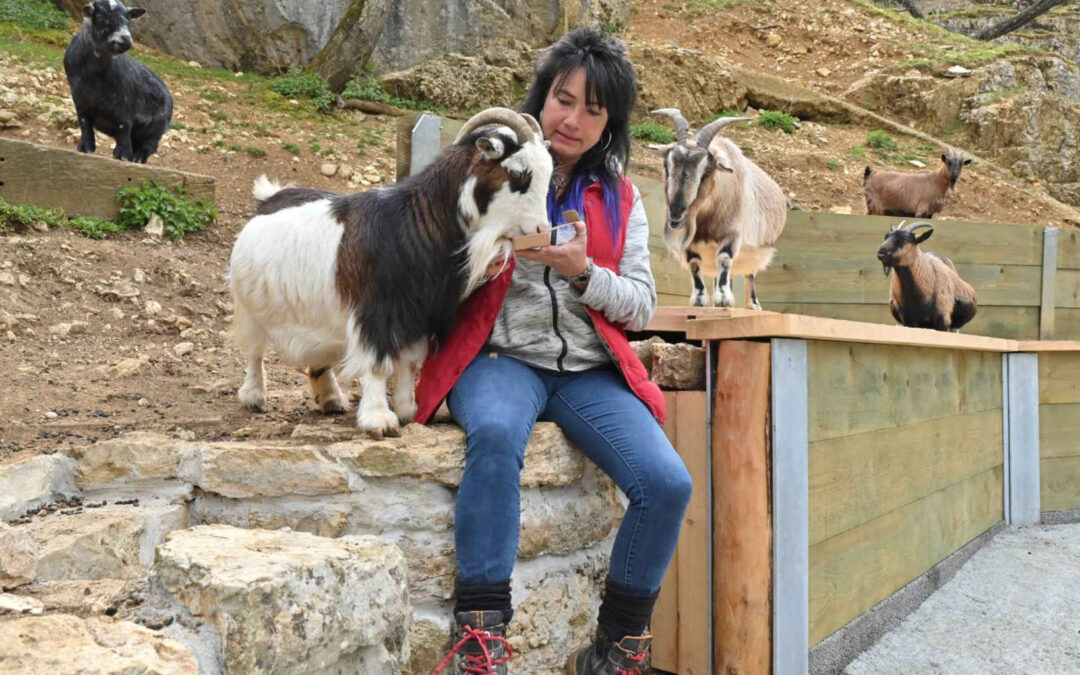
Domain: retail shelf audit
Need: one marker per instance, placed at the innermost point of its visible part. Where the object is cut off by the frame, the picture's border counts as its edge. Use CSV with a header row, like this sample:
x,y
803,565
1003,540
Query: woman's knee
x,y
498,440
670,486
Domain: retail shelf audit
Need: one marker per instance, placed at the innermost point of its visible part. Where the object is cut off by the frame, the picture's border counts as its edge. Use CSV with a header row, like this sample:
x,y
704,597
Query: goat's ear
x,y
659,149
136,12
491,147
722,161
88,10
944,159
924,235
967,161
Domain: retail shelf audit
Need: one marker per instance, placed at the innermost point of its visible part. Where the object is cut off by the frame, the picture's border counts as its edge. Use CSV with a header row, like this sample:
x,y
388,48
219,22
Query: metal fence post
x,y
426,137
1049,279
1021,400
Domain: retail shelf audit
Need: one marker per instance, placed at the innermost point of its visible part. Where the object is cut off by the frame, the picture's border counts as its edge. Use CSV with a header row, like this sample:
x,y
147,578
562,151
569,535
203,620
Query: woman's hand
x,y
494,267
568,259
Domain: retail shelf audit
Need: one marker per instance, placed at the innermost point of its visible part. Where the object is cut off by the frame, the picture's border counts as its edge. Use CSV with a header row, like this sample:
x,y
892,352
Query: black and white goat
x,y
113,92
359,283
926,291
721,207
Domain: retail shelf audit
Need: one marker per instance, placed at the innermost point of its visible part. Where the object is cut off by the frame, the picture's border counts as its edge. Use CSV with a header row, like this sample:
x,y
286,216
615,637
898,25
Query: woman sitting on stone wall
x,y
544,340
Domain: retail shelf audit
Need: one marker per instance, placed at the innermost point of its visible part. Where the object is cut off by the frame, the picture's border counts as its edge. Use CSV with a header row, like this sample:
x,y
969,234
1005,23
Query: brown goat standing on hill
x,y
927,291
912,195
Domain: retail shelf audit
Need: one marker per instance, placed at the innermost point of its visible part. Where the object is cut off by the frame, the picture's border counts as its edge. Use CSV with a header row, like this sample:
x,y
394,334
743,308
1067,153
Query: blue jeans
x,y
497,402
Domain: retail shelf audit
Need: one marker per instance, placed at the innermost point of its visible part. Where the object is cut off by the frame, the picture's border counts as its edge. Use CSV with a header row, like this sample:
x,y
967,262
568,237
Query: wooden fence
x,y
1059,430
1027,278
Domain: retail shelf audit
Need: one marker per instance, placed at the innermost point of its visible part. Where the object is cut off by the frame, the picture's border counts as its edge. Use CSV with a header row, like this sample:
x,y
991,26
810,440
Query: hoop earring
x,y
609,137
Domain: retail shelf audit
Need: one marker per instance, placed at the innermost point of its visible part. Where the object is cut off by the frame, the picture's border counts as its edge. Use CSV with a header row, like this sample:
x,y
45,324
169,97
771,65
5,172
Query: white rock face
x,y
291,602
18,557
61,643
132,458
36,481
242,470
112,542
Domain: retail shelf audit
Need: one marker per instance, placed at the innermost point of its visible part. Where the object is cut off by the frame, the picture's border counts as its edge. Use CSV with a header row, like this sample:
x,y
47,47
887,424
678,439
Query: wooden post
x,y
742,532
693,548
665,617
80,184
1049,280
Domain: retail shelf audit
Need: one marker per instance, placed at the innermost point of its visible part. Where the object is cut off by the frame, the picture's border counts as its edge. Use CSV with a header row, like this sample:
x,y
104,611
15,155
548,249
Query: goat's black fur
x,y
113,92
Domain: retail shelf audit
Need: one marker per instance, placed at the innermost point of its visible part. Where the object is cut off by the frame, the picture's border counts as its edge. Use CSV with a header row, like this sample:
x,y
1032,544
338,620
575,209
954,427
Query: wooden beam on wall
x,y
82,184
742,531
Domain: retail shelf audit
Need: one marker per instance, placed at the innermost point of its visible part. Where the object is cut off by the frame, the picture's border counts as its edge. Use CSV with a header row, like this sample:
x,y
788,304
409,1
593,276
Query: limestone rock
x,y
696,84
132,458
679,366
83,597
292,602
111,542
18,557
437,453
240,470
644,351
19,604
33,482
455,81
59,643
428,643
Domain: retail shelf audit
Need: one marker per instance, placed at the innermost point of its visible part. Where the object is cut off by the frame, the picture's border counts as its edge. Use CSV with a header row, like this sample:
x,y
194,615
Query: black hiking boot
x,y
628,656
480,646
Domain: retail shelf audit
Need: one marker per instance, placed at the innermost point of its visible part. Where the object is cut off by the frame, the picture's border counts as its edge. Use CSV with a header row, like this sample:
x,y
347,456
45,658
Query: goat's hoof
x,y
253,401
256,406
333,406
698,300
754,305
723,299
378,423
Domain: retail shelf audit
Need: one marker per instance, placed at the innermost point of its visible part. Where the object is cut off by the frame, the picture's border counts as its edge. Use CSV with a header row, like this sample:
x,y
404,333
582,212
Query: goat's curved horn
x,y
534,124
681,125
920,225
504,116
705,134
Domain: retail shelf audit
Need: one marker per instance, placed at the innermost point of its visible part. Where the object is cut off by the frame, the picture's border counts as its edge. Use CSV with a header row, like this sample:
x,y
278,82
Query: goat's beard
x,y
485,245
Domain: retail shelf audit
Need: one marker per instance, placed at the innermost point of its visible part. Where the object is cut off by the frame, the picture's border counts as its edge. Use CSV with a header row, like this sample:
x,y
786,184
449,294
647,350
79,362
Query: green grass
x,y
857,152
651,131
291,147
34,14
301,84
255,151
774,119
832,165
881,142
17,218
215,96
370,88
181,214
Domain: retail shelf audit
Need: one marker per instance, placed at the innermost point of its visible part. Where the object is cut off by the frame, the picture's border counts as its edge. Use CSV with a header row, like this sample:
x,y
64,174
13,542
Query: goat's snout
x,y
885,257
119,45
676,217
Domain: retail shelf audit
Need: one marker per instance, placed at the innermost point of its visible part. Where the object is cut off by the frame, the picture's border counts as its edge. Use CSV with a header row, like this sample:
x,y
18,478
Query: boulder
x,y
678,366
250,469
34,482
61,643
18,557
291,602
457,82
132,458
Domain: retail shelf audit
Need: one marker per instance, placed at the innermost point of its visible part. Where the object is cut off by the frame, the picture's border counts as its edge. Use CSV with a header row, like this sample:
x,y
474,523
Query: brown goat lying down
x,y
912,195
927,291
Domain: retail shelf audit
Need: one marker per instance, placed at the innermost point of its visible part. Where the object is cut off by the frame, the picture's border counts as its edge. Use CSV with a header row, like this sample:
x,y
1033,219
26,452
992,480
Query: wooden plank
x,y
693,548
1003,322
855,479
1067,289
1067,323
1069,250
29,175
1060,483
858,237
853,571
742,531
856,388
665,617
765,324
835,278
1059,377
1059,430
790,506
1048,285
1048,346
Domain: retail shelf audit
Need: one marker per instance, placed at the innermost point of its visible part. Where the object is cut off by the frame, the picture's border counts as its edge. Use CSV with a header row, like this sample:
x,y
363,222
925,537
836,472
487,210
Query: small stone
x,y
916,163
156,226
152,308
328,169
823,72
139,276
344,171
184,348
51,415
66,329
143,402
773,40
116,313
182,322
7,279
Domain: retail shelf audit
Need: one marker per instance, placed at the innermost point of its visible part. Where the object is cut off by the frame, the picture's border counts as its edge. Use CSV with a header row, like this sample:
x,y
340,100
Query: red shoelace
x,y
639,657
480,664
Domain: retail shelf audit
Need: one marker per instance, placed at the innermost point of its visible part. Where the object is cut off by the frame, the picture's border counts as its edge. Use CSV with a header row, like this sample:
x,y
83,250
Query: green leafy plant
x,y
774,119
36,14
180,213
371,89
291,147
832,165
255,151
651,131
16,217
858,151
881,142
298,83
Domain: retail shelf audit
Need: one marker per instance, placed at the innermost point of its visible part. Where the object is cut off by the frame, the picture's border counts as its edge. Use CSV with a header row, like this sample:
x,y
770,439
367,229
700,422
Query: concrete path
x,y
1013,608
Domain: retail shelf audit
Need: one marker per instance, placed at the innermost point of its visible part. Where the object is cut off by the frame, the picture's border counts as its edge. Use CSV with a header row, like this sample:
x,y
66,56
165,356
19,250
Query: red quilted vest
x,y
476,318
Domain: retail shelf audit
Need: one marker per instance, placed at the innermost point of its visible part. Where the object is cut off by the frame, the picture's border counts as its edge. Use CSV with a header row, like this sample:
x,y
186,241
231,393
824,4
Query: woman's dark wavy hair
x,y
610,83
